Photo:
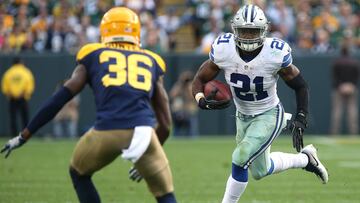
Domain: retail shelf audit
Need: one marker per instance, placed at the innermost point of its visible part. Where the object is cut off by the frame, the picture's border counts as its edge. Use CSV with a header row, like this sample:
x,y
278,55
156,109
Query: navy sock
x,y
84,188
239,173
167,198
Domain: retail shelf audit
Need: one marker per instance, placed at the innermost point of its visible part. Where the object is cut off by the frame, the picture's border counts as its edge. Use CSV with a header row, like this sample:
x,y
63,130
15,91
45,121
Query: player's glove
x,y
134,175
12,144
298,125
208,103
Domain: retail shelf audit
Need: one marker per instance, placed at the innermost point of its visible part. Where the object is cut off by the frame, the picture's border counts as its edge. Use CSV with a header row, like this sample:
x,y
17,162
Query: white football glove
x,y
13,143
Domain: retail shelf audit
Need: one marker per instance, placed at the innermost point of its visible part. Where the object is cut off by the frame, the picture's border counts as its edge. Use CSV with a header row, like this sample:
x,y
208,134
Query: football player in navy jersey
x,y
132,109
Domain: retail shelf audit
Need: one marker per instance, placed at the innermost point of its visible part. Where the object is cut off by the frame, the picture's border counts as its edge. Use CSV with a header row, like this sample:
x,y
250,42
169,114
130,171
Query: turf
x,y
38,173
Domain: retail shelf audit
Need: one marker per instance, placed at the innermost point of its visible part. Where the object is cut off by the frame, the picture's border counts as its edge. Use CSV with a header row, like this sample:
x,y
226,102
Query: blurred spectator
x,y
151,34
199,11
39,27
325,20
346,17
304,31
170,23
282,20
18,85
345,73
322,42
209,38
139,5
229,8
65,25
183,106
16,40
65,123
86,32
152,41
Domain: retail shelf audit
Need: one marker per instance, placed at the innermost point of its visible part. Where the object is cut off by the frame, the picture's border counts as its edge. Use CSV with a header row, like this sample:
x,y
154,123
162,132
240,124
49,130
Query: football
x,y
220,89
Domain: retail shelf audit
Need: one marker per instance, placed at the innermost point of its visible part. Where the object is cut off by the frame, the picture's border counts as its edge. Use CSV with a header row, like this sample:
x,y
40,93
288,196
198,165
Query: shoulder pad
x,y
220,48
158,59
280,51
87,49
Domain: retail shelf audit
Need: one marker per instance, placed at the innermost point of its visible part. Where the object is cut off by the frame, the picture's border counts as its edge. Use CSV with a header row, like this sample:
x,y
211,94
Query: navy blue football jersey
x,y
123,80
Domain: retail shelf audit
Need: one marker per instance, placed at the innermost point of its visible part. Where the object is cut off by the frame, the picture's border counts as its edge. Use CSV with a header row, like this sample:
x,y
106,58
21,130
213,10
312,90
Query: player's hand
x,y
134,175
12,144
213,104
298,125
208,103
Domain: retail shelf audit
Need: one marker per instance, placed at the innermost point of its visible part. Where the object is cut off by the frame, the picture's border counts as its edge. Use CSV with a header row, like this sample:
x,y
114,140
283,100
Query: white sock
x,y
283,161
234,190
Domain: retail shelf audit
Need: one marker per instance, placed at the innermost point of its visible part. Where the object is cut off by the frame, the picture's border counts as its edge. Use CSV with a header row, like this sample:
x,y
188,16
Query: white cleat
x,y
314,165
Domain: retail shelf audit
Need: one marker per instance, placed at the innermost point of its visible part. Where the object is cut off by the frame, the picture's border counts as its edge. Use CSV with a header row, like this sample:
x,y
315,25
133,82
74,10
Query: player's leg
x,y
95,150
13,115
275,162
254,136
336,113
24,109
271,163
352,112
238,179
262,132
154,167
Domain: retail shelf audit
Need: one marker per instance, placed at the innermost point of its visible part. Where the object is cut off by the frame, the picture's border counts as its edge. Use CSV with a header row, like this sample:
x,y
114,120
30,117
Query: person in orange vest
x,y
18,85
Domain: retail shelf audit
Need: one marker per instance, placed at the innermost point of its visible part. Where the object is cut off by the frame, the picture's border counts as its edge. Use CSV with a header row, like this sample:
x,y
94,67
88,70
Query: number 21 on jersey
x,y
242,92
127,69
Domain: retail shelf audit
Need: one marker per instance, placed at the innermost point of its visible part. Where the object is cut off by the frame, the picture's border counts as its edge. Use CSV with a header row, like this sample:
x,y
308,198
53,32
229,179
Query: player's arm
x,y
292,77
50,108
207,71
160,103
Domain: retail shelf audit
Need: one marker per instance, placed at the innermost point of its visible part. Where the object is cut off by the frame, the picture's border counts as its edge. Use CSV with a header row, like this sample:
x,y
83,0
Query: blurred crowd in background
x,y
65,25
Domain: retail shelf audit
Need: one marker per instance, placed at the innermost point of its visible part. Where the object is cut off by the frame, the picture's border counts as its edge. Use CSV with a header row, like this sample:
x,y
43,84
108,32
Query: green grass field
x,y
38,173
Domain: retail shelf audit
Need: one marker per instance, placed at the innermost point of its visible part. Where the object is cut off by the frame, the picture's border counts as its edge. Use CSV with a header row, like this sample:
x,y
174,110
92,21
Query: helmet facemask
x,y
249,38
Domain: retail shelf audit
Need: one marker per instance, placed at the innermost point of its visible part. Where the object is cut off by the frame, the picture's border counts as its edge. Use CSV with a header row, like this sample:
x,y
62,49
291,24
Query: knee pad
x,y
241,155
257,175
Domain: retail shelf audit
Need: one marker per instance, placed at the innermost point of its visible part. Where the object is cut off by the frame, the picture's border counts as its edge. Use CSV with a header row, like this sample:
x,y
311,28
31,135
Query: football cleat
x,y
314,165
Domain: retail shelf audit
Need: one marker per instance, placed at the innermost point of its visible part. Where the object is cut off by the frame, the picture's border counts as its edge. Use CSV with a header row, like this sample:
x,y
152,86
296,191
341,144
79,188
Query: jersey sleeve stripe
x,y
87,49
287,60
211,54
158,60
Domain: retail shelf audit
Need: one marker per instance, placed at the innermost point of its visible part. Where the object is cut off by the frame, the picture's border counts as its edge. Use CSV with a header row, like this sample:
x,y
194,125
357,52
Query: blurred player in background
x,y
18,86
128,85
66,120
183,107
252,65
345,78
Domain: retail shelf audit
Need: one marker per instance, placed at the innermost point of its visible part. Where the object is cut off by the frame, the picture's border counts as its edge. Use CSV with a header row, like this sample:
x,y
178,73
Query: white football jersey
x,y
252,83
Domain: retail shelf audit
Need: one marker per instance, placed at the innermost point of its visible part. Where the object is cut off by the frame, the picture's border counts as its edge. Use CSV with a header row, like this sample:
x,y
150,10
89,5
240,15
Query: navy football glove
x,y
208,103
12,144
134,175
298,125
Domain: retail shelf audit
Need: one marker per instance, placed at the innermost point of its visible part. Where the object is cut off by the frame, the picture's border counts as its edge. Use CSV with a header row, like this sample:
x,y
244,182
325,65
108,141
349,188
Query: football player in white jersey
x,y
252,64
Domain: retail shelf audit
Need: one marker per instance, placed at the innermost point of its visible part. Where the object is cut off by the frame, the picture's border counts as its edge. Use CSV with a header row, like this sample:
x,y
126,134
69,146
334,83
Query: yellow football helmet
x,y
120,24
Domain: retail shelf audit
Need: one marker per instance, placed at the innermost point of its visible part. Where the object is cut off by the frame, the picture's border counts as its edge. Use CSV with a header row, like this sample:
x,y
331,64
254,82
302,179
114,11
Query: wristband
x,y
198,96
